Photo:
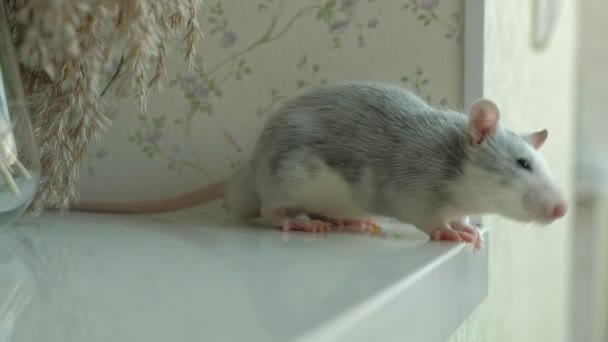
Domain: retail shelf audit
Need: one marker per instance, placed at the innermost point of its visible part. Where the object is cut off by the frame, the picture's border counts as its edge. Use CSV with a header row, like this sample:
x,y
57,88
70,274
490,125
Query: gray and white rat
x,y
344,152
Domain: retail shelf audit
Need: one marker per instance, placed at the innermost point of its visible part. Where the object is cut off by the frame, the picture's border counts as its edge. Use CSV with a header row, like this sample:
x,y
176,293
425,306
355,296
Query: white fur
x,y
327,193
545,192
480,191
475,193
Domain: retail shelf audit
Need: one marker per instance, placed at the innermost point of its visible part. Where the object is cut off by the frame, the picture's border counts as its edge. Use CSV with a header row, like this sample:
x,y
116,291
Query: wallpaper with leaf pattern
x,y
255,55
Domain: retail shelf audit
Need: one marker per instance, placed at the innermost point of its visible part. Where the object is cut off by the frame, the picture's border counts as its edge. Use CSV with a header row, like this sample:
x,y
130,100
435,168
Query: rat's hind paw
x,y
313,226
282,215
363,226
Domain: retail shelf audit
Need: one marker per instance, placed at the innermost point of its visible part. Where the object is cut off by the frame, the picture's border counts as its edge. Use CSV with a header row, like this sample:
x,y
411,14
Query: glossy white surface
x,y
89,277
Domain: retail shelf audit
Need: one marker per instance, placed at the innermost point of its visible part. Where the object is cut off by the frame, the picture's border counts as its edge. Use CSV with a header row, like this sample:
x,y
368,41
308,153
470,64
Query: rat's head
x,y
514,176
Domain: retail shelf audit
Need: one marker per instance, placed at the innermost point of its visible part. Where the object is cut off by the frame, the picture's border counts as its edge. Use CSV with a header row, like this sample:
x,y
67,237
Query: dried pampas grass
x,y
64,46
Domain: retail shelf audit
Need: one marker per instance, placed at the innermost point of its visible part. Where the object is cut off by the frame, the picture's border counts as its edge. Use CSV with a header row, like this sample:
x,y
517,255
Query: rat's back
x,y
352,149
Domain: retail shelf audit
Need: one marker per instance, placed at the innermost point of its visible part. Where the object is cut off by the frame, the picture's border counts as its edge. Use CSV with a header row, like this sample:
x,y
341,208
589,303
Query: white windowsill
x,y
127,278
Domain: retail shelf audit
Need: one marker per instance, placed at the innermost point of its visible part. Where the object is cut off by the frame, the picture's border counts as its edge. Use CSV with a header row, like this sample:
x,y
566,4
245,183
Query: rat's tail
x,y
182,201
241,195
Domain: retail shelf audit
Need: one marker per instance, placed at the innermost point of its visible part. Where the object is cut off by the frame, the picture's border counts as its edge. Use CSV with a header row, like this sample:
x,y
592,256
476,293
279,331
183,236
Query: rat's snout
x,y
558,211
546,205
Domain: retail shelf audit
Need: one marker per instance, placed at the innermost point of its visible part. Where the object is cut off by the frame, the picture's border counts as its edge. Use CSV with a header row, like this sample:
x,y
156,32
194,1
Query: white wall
x,y
590,281
529,267
593,69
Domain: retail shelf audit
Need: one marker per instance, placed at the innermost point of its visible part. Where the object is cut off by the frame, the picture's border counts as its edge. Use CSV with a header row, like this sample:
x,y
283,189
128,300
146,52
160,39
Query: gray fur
x,y
410,152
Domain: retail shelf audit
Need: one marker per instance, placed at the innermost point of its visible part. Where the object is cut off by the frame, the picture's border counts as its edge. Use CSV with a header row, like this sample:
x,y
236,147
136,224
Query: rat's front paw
x,y
467,234
470,231
446,234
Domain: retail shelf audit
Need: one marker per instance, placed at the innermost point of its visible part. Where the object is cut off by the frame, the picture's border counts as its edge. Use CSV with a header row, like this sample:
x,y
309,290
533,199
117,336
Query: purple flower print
x,y
372,23
361,41
152,136
101,154
201,91
228,39
187,82
338,26
172,165
429,5
176,150
344,4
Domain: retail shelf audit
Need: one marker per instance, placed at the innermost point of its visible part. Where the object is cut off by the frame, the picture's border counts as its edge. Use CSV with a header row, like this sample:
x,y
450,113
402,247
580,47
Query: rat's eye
x,y
524,164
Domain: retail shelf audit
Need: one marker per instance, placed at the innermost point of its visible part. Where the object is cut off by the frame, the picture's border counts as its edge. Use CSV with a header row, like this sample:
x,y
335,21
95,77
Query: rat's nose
x,y
558,211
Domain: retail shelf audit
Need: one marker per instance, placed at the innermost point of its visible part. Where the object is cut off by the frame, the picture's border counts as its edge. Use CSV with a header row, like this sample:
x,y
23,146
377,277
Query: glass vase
x,y
19,155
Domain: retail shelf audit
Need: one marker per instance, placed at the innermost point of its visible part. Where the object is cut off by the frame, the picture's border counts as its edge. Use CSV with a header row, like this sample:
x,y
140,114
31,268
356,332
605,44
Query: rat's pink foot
x,y
363,226
472,233
449,234
313,226
446,234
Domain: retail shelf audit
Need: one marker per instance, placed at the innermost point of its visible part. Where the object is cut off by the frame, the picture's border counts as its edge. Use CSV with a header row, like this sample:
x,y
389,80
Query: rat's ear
x,y
483,120
537,139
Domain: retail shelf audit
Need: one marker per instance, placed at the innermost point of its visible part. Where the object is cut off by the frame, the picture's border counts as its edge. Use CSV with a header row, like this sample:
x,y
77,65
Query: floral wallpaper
x,y
256,55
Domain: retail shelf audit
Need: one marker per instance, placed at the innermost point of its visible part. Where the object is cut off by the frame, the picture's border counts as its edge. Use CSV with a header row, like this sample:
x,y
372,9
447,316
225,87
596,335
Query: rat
x,y
348,151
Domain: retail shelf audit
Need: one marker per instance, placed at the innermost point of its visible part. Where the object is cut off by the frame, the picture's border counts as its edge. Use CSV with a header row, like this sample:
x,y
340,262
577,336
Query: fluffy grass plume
x,y
64,49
